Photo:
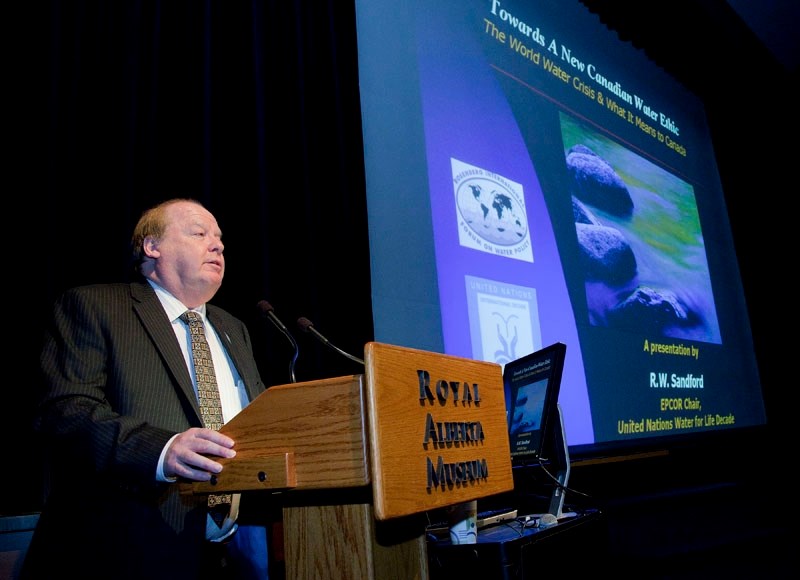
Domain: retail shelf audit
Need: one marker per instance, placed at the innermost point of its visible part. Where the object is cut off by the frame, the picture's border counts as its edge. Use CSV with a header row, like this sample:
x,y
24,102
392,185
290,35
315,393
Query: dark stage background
x,y
253,108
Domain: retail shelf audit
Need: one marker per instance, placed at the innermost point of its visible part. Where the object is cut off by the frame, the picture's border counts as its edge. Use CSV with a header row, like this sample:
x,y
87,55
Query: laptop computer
x,y
532,384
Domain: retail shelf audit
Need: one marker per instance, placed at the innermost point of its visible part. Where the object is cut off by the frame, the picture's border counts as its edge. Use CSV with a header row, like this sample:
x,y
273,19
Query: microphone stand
x,y
268,311
307,326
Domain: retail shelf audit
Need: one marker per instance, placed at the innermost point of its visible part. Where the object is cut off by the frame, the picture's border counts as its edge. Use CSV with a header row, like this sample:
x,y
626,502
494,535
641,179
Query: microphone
x,y
307,326
268,311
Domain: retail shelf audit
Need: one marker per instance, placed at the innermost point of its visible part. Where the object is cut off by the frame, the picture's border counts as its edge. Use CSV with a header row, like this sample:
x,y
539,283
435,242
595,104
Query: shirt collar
x,y
172,306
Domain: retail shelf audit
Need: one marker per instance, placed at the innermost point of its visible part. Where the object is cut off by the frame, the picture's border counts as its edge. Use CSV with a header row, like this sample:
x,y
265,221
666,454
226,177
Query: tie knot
x,y
191,318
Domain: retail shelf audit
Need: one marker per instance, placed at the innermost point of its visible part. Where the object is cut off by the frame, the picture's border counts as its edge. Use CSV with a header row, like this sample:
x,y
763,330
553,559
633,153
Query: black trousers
x,y
218,563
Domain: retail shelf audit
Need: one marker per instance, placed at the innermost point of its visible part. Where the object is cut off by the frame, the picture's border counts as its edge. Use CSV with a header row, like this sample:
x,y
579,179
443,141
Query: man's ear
x,y
150,247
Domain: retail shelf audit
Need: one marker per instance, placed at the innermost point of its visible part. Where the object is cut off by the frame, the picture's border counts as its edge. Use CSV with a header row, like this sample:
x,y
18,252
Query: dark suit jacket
x,y
116,388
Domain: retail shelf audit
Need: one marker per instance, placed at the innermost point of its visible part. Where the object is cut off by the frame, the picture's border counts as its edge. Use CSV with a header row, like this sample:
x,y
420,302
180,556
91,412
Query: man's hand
x,y
186,456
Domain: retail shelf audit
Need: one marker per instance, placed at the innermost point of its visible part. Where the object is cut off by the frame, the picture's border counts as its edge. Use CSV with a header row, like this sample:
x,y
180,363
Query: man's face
x,y
191,250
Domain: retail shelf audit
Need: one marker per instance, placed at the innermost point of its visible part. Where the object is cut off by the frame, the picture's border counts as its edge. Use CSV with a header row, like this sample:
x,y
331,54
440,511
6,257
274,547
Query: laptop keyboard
x,y
485,518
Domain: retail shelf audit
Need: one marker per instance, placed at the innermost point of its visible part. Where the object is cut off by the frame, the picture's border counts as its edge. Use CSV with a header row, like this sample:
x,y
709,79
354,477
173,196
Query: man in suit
x,y
120,420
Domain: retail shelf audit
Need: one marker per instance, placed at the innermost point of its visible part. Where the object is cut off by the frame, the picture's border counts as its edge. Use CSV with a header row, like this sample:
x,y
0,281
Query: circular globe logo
x,y
492,211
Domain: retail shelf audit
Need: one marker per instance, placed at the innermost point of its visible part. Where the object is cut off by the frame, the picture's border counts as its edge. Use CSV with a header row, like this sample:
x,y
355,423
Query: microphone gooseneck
x,y
268,311
307,326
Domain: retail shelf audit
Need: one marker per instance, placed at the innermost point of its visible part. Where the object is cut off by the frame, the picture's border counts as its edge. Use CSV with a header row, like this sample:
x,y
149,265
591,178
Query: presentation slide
x,y
532,178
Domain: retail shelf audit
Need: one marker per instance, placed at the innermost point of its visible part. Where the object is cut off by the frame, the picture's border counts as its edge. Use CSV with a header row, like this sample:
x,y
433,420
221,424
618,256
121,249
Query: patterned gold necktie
x,y
208,397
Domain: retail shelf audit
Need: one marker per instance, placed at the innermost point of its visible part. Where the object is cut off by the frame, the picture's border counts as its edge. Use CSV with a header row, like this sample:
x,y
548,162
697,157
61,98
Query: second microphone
x,y
307,326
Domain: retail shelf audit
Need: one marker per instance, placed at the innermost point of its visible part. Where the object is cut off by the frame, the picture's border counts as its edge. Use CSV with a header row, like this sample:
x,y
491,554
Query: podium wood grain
x,y
307,435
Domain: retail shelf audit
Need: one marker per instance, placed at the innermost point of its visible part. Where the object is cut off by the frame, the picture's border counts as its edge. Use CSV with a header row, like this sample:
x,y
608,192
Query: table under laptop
x,y
521,547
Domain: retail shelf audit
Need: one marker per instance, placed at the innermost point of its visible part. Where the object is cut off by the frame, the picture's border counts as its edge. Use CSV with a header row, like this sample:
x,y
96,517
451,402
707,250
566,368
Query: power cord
x,y
558,483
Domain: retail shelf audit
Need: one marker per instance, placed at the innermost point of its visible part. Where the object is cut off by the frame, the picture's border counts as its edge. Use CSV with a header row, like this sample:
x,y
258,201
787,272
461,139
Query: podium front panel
x,y
437,429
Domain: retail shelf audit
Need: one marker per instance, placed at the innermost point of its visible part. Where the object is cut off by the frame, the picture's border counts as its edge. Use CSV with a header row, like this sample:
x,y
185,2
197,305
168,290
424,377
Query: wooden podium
x,y
357,460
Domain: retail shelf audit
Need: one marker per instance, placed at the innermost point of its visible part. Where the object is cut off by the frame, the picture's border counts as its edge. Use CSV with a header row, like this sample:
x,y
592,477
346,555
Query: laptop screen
x,y
532,384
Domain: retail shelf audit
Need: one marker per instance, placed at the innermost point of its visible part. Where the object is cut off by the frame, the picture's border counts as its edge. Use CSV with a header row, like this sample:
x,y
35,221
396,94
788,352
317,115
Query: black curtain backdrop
x,y
252,107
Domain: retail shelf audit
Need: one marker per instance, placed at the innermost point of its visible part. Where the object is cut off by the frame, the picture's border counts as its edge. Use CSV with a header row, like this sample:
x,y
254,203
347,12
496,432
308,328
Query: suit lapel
x,y
158,326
